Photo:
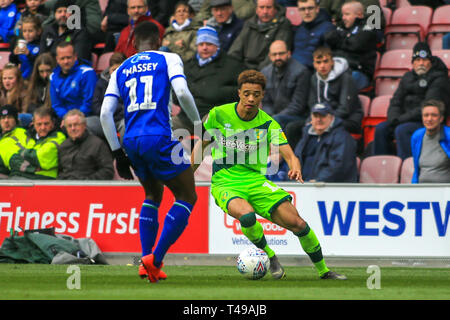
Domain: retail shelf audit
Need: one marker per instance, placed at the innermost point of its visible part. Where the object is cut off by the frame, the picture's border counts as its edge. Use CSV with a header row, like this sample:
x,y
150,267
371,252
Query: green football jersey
x,y
241,145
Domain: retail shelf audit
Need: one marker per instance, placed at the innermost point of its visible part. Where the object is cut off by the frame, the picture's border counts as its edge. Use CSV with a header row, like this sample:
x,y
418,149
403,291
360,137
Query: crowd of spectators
x,y
51,93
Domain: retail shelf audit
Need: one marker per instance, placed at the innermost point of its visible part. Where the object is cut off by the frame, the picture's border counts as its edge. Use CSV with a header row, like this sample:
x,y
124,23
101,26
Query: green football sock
x,y
311,246
253,230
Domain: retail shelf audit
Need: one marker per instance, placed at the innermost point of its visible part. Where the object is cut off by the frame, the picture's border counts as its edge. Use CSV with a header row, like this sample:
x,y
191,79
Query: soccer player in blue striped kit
x,y
144,83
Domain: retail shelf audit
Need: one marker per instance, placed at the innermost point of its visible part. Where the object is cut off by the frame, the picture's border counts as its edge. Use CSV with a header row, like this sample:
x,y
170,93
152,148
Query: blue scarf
x,y
203,62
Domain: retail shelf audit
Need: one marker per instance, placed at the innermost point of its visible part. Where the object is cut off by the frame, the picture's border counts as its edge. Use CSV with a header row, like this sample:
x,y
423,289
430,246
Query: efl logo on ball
x,y
253,263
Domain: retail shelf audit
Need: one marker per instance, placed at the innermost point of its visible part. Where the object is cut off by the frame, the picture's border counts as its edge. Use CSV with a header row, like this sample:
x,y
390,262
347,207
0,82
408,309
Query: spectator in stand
x,y
83,156
287,3
244,9
356,41
332,83
327,152
181,34
9,15
431,145
12,92
41,160
211,77
100,88
287,86
446,41
25,51
138,12
72,86
225,21
57,31
269,24
115,19
309,34
90,17
430,3
38,89
12,137
33,8
162,10
428,79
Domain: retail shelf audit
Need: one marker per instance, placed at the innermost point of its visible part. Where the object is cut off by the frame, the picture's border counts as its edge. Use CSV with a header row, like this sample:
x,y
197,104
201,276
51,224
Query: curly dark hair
x,y
252,76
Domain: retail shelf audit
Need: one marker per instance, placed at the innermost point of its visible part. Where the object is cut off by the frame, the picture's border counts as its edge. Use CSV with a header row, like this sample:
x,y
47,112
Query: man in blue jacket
x,y
72,86
327,152
309,35
431,146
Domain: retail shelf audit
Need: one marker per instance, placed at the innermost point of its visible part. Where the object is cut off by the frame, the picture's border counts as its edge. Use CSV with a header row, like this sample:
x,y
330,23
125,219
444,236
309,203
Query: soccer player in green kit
x,y
243,135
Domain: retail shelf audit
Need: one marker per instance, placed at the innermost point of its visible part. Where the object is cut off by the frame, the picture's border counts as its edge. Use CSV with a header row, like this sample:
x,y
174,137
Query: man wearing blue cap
x,y
327,152
211,76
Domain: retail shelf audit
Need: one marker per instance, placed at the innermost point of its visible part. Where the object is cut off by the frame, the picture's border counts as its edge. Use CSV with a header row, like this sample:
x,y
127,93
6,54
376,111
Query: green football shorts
x,y
262,194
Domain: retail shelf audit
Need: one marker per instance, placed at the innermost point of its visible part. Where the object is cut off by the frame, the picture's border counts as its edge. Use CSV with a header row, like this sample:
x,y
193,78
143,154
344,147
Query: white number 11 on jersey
x,y
147,104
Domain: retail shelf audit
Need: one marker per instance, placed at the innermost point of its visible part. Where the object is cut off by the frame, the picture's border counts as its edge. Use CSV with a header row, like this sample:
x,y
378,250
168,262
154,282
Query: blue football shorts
x,y
156,156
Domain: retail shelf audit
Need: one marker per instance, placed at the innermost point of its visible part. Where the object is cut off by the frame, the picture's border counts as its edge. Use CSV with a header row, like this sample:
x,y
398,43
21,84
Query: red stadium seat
x,y
4,46
204,171
380,169
440,25
392,67
445,56
103,61
407,170
387,12
365,103
402,3
103,5
408,26
377,114
94,59
293,15
4,58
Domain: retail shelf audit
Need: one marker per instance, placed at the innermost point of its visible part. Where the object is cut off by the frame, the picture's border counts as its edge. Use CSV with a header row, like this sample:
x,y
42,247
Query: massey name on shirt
x,y
141,67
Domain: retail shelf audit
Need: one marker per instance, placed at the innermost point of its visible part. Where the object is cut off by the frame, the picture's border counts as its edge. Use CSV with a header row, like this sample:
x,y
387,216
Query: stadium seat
x,y
402,3
392,67
103,62
380,169
204,171
4,46
293,15
365,103
440,25
377,113
407,170
445,56
103,5
358,164
387,12
94,59
4,58
408,26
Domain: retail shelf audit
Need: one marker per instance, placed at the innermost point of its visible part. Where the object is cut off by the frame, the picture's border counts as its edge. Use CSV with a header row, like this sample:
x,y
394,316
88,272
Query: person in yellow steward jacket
x,y
41,160
12,138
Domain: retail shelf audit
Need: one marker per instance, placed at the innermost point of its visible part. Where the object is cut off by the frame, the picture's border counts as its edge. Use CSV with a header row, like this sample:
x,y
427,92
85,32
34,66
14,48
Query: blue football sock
x,y
148,225
174,224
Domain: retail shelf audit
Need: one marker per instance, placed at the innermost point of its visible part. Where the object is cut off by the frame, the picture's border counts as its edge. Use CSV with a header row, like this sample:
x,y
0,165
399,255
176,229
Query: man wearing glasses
x,y
309,34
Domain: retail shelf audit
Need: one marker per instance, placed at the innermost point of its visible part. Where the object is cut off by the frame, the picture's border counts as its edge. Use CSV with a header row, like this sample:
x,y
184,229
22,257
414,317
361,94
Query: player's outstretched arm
x,y
295,170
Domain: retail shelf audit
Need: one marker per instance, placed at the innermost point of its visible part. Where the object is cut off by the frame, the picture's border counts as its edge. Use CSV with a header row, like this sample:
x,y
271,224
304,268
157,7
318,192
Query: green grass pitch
x,y
118,282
